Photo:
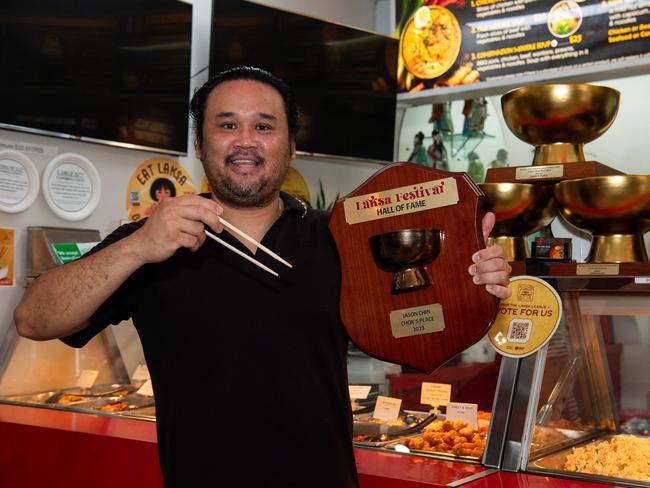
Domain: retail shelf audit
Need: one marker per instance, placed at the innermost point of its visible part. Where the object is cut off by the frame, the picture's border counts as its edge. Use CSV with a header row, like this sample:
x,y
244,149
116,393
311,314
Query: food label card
x,y
87,378
359,392
387,408
465,412
141,373
146,389
435,394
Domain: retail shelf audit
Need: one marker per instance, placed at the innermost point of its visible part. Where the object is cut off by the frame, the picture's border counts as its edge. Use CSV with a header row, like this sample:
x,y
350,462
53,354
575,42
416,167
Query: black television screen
x,y
110,71
344,78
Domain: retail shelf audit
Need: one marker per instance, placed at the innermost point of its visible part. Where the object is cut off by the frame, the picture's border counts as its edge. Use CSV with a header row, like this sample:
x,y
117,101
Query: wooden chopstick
x,y
242,254
250,239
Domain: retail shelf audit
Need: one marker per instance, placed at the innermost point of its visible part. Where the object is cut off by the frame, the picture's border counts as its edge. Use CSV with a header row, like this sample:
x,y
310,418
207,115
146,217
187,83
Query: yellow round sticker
x,y
528,319
153,181
205,186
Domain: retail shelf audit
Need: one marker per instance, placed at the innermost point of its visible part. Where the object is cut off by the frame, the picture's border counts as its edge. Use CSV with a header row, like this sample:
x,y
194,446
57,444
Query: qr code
x,y
519,330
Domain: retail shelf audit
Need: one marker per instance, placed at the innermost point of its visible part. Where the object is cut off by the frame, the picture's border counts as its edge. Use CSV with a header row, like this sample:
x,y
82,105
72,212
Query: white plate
x,y
71,186
18,181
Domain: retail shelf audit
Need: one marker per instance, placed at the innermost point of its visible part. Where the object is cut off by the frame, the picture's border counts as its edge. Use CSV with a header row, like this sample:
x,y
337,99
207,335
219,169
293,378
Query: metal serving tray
x,y
553,463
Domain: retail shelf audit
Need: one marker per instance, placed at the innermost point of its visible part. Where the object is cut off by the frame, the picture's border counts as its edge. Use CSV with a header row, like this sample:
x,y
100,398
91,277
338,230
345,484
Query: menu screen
x,y
455,42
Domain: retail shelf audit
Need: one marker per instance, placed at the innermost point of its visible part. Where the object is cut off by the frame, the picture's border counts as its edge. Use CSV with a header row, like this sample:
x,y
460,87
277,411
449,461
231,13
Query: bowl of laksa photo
x,y
430,42
564,18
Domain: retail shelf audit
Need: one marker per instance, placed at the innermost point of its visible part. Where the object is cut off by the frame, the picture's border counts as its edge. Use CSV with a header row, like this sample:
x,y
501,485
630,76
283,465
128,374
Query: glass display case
x,y
94,379
585,395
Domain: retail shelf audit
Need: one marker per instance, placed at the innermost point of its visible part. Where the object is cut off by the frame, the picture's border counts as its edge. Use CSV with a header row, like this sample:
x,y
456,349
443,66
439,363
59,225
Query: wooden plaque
x,y
423,327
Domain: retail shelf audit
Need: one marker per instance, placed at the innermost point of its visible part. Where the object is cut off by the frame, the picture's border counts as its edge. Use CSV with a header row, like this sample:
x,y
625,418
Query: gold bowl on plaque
x,y
615,210
559,119
405,253
520,209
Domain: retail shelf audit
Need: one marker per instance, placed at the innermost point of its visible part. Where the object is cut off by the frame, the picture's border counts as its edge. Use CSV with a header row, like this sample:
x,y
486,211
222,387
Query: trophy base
x,y
558,153
516,248
410,279
617,248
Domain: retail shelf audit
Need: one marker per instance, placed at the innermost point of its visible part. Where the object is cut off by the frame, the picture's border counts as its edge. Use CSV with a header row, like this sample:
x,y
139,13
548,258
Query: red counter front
x,y
42,447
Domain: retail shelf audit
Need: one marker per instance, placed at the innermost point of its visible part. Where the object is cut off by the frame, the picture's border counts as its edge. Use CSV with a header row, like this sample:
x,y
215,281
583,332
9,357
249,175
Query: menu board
x,y
446,43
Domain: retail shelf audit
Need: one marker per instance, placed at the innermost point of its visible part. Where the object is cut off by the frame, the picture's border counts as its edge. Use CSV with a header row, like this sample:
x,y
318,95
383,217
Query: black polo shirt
x,y
249,370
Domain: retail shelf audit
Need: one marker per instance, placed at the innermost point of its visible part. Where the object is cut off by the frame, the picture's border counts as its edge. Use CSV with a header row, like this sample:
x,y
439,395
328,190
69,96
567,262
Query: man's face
x,y
246,146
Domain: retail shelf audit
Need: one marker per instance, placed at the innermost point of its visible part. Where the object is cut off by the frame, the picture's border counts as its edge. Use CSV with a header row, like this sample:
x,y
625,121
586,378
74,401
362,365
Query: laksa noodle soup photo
x,y
430,42
564,18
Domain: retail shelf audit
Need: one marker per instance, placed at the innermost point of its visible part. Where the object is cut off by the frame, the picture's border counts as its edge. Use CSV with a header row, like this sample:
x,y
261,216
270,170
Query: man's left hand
x,y
490,266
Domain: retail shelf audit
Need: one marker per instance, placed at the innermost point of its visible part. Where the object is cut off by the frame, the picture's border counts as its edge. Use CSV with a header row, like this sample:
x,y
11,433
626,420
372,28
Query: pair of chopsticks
x,y
225,223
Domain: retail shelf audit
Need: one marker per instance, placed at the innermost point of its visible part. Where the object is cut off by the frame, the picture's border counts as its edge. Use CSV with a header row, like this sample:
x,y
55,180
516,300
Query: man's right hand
x,y
176,222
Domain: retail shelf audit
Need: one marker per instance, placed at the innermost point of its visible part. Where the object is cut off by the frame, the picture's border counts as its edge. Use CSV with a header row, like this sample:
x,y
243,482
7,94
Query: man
x,y
249,370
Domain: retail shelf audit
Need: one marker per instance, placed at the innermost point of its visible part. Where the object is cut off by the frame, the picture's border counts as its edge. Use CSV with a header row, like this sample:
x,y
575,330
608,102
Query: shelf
x,y
460,141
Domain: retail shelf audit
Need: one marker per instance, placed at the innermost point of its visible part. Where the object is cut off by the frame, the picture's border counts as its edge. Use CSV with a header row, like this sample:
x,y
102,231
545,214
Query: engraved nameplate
x,y
414,321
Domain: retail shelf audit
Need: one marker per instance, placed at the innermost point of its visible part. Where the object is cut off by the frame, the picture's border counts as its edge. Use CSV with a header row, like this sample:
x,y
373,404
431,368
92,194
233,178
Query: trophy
x,y
405,240
405,253
615,210
559,119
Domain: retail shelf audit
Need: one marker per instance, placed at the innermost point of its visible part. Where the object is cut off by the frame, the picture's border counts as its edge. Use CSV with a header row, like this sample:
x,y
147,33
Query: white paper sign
x,y
146,389
70,187
387,408
642,280
435,394
14,182
359,392
140,373
87,378
465,412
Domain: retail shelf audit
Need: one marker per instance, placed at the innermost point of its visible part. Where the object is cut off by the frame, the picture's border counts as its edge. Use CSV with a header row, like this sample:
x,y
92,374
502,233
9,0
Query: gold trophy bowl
x,y
559,119
615,210
404,253
520,209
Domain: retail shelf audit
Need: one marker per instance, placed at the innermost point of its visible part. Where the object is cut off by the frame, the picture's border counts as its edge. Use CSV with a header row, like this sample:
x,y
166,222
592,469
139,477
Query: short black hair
x,y
420,135
197,105
160,184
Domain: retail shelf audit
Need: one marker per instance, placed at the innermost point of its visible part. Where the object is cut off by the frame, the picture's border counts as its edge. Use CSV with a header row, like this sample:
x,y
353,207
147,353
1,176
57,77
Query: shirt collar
x,y
291,204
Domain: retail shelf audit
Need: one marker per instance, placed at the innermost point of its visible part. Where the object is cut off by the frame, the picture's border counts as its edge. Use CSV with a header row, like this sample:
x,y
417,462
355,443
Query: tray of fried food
x,y
619,457
35,398
451,438
379,432
77,395
366,425
115,404
110,390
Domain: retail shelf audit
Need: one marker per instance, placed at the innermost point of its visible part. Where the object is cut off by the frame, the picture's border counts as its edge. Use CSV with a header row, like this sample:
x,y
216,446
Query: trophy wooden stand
x,y
423,326
549,173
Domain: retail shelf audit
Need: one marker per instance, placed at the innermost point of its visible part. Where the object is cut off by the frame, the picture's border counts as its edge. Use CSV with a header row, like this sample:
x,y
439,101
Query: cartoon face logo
x,y
525,293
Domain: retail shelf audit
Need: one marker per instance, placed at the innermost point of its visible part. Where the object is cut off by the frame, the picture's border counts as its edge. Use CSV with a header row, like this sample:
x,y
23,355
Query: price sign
x,y
87,378
387,408
435,394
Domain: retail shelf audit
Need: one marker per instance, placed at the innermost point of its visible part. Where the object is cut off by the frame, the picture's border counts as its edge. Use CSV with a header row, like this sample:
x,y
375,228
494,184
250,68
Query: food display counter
x,y
567,415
